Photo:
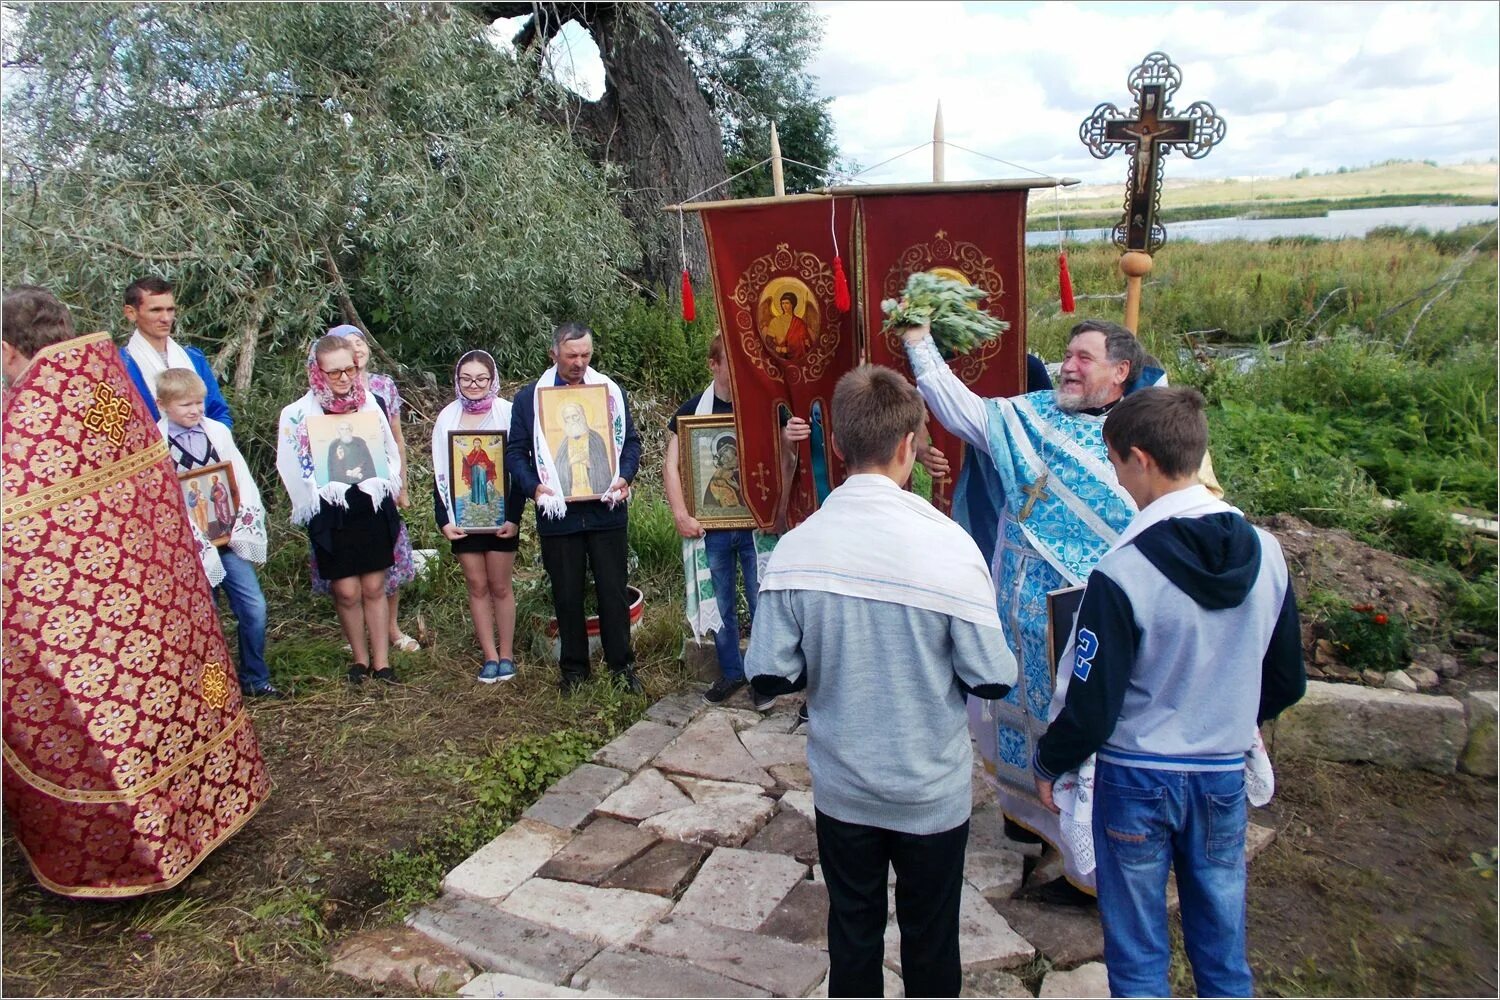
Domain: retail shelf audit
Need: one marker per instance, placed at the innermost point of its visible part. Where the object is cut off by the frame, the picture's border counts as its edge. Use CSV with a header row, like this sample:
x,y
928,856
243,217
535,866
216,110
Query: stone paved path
x,y
682,862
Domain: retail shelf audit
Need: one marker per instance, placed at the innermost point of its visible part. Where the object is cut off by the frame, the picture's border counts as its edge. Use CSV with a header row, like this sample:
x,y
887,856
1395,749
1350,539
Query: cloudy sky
x,y
1314,85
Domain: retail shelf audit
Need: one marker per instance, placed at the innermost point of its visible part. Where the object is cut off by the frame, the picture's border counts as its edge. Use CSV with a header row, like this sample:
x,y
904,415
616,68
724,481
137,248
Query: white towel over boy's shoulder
x,y
872,539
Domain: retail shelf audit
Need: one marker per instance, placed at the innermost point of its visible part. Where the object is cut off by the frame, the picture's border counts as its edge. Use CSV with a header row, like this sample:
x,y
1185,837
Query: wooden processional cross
x,y
1153,132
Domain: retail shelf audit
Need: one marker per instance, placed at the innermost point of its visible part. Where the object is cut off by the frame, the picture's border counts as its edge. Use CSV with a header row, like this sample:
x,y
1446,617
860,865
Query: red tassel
x,y
1064,283
840,286
689,308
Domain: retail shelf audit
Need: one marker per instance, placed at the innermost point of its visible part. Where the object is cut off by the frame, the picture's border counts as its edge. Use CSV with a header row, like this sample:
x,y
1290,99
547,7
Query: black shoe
x,y
628,680
357,674
802,714
1058,892
270,691
572,682
388,675
722,689
762,702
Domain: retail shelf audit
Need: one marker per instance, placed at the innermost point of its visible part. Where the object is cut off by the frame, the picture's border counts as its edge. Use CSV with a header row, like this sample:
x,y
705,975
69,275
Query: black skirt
x,y
486,542
353,540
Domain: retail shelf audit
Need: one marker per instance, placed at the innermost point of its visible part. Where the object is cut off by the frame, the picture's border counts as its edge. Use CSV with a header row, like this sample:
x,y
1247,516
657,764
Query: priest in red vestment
x,y
128,754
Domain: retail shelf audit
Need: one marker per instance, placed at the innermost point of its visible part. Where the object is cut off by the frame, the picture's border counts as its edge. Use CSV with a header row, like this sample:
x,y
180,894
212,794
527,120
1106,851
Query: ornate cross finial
x,y
1149,135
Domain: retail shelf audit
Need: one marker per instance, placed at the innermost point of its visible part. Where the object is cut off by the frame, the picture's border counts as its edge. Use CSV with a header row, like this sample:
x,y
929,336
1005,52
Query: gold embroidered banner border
x,y
34,501
134,792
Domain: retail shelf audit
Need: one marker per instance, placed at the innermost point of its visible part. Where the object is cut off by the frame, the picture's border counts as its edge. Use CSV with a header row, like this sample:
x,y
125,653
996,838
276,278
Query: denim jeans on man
x,y
249,607
722,547
1146,821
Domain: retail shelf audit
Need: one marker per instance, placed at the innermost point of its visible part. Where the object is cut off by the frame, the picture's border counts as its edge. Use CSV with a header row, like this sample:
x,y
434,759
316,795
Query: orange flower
x,y
1381,619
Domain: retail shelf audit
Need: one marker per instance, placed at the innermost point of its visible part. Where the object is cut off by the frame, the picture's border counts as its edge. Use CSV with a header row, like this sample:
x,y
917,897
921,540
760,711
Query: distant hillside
x,y
1468,180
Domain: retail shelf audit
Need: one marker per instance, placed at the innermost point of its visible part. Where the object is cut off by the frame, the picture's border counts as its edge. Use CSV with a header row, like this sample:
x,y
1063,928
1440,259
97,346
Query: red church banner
x,y
977,237
787,343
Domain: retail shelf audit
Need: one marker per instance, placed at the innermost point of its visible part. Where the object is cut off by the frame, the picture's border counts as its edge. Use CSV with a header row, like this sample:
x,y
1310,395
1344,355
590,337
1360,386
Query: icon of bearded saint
x,y
582,458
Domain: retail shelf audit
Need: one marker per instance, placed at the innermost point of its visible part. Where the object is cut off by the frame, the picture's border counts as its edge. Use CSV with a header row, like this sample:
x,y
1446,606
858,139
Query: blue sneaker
x,y
496,670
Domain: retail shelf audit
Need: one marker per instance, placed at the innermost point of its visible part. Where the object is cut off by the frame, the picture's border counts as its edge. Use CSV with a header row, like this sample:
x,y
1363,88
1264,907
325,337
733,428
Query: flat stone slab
x,y
401,957
501,984
1067,935
720,822
791,834
570,802
1257,839
605,916
992,983
740,718
802,916
802,803
642,974
985,939
1085,981
645,795
791,776
604,846
740,889
635,747
776,722
708,789
773,748
491,872
987,832
677,710
503,942
1347,722
777,966
664,870
710,748
996,874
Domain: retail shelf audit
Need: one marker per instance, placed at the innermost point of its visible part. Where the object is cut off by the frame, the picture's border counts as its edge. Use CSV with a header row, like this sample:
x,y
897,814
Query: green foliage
x,y
504,783
653,534
1483,863
269,157
1368,638
951,309
751,63
649,345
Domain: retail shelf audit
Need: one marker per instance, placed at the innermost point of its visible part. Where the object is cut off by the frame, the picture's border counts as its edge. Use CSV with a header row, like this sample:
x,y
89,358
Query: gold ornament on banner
x,y
781,304
961,261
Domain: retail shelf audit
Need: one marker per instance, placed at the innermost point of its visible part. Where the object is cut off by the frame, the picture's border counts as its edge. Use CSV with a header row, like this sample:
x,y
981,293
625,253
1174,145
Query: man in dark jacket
x,y
580,535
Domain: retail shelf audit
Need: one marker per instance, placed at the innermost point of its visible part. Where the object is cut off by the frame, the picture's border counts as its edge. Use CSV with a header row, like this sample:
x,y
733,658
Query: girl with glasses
x,y
352,526
470,482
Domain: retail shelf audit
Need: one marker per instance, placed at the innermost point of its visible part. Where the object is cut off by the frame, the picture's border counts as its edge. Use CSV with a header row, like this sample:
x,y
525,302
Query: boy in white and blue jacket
x,y
1187,639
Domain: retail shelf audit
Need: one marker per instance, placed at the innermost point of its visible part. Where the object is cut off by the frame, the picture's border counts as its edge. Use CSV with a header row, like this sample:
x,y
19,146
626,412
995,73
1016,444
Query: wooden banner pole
x,y
937,145
778,178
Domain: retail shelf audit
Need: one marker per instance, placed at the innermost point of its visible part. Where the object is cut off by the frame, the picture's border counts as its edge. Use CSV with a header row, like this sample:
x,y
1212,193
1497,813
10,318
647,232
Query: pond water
x,y
1349,224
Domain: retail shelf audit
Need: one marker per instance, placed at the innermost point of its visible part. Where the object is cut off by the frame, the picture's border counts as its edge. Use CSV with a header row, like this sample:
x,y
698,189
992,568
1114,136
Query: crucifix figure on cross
x,y
1153,131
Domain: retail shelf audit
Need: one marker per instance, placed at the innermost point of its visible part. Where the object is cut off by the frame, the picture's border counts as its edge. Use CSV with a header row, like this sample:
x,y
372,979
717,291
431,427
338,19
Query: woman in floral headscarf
x,y
388,396
352,527
486,541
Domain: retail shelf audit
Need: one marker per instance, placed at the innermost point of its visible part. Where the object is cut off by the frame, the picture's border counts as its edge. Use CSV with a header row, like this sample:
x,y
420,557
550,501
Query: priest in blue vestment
x,y
1040,461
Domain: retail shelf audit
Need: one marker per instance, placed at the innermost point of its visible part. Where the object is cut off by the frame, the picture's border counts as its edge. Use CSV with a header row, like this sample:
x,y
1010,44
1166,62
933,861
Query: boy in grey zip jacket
x,y
1187,639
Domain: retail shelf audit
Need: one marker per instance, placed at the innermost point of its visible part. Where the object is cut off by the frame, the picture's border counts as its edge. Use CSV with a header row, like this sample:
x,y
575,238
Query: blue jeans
x,y
1147,821
722,547
249,606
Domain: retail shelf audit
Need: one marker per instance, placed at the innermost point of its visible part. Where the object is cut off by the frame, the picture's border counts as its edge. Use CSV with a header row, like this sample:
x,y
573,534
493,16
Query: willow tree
x,y
289,165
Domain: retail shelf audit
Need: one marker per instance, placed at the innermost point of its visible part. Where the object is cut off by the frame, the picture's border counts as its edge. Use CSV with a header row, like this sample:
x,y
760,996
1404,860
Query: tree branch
x,y
346,306
107,244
